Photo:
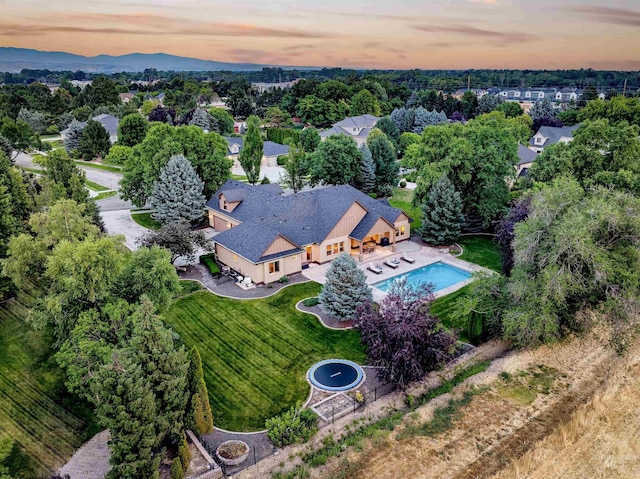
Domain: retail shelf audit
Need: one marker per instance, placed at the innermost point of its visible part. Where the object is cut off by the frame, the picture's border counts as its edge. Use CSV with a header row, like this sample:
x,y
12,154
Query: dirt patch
x,y
509,413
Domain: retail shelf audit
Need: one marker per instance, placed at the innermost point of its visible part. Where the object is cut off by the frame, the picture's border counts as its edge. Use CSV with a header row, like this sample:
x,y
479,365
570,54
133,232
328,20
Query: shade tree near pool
x,y
401,337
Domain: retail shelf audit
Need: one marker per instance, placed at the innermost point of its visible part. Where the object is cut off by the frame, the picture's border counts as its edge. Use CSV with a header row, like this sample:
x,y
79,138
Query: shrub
x,y
184,453
403,184
52,130
209,261
265,181
176,469
311,302
282,159
284,280
296,425
373,195
118,154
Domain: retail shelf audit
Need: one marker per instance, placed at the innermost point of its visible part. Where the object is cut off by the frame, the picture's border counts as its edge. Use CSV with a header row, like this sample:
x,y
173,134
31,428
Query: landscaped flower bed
x,y
232,452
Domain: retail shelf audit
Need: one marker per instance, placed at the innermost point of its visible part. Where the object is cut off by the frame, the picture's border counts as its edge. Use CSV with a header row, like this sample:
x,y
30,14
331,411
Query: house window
x,y
224,204
274,267
539,140
335,248
402,230
235,258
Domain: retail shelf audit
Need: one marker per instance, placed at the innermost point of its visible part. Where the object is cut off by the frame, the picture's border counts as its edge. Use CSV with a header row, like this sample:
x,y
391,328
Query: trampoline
x,y
335,375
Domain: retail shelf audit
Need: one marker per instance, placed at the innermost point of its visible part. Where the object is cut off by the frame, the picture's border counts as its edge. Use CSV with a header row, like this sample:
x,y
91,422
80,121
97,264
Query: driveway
x,y
117,219
104,178
271,172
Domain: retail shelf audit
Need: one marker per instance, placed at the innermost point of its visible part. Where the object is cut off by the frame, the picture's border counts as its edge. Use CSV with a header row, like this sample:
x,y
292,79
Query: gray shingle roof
x,y
269,148
526,155
303,218
109,122
553,134
360,121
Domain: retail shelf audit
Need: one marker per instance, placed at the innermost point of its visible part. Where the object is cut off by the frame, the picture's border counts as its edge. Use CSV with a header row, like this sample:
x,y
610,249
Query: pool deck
x,y
422,254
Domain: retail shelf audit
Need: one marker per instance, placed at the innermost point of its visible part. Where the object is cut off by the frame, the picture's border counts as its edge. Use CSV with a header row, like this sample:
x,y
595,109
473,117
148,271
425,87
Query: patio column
x,y
393,244
360,256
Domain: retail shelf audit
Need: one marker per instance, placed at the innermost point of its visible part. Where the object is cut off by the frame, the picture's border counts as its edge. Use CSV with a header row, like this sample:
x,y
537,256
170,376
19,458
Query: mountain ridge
x,y
13,59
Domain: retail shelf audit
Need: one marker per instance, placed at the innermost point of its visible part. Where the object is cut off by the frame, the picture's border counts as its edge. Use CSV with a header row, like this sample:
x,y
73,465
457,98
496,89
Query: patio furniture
x,y
407,258
391,264
375,268
395,261
225,270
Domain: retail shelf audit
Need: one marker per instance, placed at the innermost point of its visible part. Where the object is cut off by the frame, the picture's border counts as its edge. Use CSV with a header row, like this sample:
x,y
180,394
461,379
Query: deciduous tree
x,y
336,161
132,129
364,103
252,150
178,239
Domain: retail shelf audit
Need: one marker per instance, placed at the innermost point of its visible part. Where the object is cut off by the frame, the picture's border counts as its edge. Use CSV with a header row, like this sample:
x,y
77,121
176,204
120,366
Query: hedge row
x,y
278,135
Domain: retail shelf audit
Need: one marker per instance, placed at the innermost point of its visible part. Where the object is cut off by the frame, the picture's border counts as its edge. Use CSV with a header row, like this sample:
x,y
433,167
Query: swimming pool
x,y
439,274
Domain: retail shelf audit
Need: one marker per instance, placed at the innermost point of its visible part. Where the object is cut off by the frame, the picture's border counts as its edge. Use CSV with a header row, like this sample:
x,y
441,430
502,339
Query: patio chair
x,y
395,261
375,268
407,258
391,264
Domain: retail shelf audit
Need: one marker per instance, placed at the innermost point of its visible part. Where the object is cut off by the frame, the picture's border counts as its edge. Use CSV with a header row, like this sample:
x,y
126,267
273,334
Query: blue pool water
x,y
439,274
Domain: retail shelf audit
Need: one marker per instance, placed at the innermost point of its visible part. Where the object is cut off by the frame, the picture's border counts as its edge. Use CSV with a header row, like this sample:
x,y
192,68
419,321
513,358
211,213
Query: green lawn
x,y
402,199
105,195
98,166
37,171
444,308
242,178
480,250
47,425
95,186
256,353
145,219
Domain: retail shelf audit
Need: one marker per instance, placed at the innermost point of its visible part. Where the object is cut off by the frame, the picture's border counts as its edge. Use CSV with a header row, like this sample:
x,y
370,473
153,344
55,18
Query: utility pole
x,y
624,89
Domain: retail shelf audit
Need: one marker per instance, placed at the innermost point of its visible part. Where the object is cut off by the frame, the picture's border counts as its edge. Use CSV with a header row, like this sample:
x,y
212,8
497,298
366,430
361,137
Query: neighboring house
x,y
549,135
159,97
126,97
265,235
526,159
356,127
109,122
270,151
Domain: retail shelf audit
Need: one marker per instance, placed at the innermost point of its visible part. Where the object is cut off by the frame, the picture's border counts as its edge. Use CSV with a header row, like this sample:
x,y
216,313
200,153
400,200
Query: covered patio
x,y
370,242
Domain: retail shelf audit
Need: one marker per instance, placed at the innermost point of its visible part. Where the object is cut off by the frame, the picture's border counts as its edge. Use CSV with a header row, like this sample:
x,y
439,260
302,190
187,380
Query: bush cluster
x,y
278,135
311,302
297,425
209,261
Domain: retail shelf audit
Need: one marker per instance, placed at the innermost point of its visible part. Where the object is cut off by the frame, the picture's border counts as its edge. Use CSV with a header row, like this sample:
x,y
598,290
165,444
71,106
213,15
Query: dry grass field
x,y
567,411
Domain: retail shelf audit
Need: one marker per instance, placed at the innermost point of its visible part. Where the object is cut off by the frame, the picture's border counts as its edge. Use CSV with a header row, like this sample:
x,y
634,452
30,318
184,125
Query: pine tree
x,y
412,102
177,195
36,120
442,214
125,404
368,171
542,109
94,141
200,118
345,289
72,137
252,150
199,417
177,472
384,157
165,367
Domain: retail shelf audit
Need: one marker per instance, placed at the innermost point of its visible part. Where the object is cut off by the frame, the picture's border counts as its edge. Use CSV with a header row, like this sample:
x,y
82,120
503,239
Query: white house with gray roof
x,y
270,151
265,235
549,135
109,122
356,127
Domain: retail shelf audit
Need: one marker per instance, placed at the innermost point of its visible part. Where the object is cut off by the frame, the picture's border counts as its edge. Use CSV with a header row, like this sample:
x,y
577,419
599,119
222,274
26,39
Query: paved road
x,y
104,178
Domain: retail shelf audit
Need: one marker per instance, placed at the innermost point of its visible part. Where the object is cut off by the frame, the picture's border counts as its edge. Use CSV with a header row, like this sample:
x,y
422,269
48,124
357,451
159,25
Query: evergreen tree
x,y
384,157
403,119
72,137
442,210
389,128
199,417
36,120
345,289
542,109
201,119
177,471
412,101
488,103
252,150
125,404
5,147
94,141
423,118
177,195
165,367
368,171
132,129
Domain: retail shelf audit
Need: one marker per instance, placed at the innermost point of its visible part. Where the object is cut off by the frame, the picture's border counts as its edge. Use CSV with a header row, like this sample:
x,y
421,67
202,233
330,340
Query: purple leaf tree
x,y
504,232
401,336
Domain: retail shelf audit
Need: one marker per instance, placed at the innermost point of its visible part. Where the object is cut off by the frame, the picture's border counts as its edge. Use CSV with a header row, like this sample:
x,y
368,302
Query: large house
x,y
549,135
265,235
526,157
270,151
356,127
109,122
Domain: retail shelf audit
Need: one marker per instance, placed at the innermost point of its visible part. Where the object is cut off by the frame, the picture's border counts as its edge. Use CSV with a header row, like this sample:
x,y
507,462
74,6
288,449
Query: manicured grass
x,y
145,219
444,308
256,353
37,171
402,199
480,250
105,195
242,178
95,186
98,166
46,423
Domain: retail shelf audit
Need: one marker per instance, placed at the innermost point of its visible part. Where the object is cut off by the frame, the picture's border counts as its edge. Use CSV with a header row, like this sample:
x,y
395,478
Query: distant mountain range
x,y
15,59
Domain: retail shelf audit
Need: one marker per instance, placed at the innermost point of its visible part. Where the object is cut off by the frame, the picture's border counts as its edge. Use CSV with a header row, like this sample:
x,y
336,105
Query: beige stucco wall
x,y
240,264
348,222
288,265
219,221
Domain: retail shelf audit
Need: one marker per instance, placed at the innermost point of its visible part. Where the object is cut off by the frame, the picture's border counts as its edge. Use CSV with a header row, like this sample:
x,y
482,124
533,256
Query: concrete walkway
x,y
91,461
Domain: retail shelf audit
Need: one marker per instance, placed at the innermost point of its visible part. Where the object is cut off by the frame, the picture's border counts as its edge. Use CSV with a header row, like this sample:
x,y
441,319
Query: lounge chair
x,y
375,268
391,264
395,261
408,259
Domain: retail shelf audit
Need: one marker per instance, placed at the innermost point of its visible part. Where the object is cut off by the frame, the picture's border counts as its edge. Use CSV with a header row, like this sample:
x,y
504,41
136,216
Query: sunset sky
x,y
428,34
